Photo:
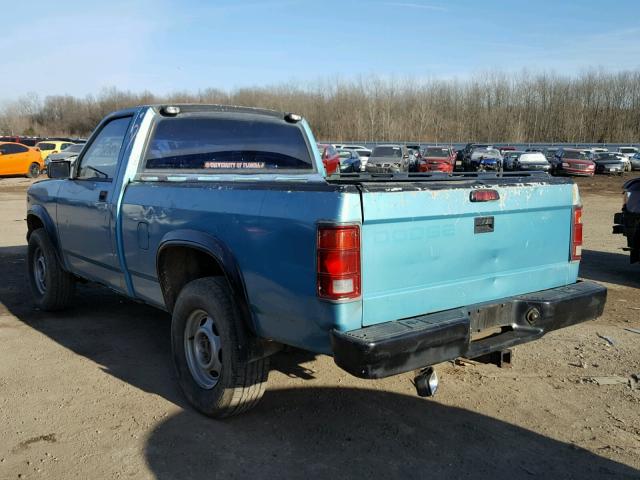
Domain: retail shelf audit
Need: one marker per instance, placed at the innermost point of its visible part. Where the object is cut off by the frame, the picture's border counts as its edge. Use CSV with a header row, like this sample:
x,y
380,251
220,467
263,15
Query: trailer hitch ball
x,y
533,315
426,382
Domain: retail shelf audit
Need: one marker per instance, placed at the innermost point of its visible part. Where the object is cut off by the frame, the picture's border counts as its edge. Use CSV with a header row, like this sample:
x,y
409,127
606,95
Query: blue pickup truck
x,y
225,218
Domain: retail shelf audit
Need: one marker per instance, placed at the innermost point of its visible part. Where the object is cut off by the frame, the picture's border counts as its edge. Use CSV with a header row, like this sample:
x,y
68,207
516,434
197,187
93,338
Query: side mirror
x,y
60,169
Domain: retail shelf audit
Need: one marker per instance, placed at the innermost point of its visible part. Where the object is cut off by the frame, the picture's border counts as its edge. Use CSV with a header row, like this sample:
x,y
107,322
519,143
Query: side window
x,y
101,157
64,145
10,149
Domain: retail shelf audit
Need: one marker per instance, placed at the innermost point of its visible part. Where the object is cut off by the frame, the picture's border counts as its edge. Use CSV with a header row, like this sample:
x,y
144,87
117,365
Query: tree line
x,y
592,107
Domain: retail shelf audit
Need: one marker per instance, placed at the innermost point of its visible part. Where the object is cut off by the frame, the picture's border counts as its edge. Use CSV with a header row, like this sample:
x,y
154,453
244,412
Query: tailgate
x,y
430,249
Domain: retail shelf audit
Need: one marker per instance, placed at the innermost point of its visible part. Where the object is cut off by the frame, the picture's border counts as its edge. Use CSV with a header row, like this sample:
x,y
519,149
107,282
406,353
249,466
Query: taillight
x,y
338,265
576,233
484,195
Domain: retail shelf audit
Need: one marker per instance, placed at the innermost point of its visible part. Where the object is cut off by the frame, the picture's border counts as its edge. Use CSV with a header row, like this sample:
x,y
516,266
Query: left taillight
x,y
576,233
338,262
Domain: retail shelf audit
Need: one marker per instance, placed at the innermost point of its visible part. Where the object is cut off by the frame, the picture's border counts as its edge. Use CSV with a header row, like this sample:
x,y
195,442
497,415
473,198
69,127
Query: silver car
x,y
70,153
388,159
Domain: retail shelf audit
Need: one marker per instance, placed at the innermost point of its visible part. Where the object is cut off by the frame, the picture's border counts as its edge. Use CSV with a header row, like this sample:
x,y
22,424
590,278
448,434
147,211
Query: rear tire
x,y
51,286
34,170
207,337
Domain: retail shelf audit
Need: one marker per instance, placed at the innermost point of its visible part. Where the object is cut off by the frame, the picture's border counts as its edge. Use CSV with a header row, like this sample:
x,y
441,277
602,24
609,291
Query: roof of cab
x,y
199,107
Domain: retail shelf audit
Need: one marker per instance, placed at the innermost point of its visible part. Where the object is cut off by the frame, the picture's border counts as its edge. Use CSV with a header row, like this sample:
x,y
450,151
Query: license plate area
x,y
483,224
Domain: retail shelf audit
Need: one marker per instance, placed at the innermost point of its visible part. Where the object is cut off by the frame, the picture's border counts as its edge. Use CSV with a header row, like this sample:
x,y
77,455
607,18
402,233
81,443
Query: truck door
x,y
85,208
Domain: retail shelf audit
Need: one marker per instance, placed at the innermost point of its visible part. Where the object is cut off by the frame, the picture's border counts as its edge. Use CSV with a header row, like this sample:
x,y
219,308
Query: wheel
x,y
34,170
207,337
51,286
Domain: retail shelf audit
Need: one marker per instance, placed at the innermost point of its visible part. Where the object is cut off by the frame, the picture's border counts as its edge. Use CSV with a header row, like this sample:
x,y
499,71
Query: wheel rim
x,y
35,170
40,271
203,349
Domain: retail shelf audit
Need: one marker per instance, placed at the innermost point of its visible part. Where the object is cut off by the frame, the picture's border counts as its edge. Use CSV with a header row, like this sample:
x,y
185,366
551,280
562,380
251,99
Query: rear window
x,y
227,143
627,150
436,152
46,146
387,152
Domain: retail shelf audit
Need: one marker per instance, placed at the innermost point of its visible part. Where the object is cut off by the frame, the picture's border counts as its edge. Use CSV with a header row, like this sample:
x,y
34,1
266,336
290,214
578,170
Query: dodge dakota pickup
x,y
226,218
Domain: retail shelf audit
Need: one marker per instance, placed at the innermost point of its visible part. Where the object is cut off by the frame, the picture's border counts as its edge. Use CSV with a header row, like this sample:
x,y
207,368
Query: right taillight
x,y
576,233
338,263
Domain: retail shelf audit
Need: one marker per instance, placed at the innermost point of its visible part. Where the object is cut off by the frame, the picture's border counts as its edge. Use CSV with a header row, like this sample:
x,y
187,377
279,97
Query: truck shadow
x,y
609,267
319,432
353,433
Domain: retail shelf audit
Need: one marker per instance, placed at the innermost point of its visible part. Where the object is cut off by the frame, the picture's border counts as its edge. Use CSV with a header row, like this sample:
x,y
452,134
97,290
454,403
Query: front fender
x,y
43,217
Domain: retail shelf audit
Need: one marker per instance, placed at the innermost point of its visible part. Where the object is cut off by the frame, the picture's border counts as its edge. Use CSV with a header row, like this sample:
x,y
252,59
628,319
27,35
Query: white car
x,y
627,153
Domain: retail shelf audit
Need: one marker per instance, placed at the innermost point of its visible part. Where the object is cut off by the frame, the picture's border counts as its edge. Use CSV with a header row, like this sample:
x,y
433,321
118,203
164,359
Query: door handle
x,y
103,196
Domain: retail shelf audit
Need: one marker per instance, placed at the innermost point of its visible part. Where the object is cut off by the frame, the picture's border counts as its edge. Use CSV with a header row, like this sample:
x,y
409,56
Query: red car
x,y
437,159
330,158
571,161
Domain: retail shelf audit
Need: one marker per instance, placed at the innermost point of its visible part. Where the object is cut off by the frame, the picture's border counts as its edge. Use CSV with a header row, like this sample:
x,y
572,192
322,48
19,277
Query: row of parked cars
x,y
17,158
392,158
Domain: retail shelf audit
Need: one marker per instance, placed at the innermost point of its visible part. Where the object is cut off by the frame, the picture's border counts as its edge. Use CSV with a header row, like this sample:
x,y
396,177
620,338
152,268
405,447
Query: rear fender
x,y
221,253
256,347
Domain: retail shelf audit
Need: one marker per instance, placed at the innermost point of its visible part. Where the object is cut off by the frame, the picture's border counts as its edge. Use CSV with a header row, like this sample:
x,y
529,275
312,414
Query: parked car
x,y
349,161
363,152
610,162
51,146
437,159
70,153
503,150
509,159
415,154
483,159
628,151
334,265
530,161
627,222
465,153
18,159
330,158
389,159
550,153
571,161
635,162
28,141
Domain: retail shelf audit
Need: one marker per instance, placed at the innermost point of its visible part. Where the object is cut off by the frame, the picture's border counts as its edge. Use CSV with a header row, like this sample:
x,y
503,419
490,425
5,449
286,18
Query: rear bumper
x,y
395,347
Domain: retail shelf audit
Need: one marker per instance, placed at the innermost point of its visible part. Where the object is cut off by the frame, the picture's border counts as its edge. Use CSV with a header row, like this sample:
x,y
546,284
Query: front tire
x,y
34,170
207,338
51,286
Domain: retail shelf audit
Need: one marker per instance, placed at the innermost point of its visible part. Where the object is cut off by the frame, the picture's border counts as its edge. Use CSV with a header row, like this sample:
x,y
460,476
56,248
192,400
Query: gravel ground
x,y
91,393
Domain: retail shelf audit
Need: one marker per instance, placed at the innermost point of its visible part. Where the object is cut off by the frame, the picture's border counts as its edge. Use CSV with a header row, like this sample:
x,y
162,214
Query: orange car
x,y
18,159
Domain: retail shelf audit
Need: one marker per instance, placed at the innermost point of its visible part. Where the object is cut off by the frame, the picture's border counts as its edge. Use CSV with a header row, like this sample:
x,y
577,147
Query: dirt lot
x,y
91,393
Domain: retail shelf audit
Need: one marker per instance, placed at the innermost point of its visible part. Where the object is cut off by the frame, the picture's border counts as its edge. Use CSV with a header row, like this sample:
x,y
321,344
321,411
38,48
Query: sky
x,y
162,46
